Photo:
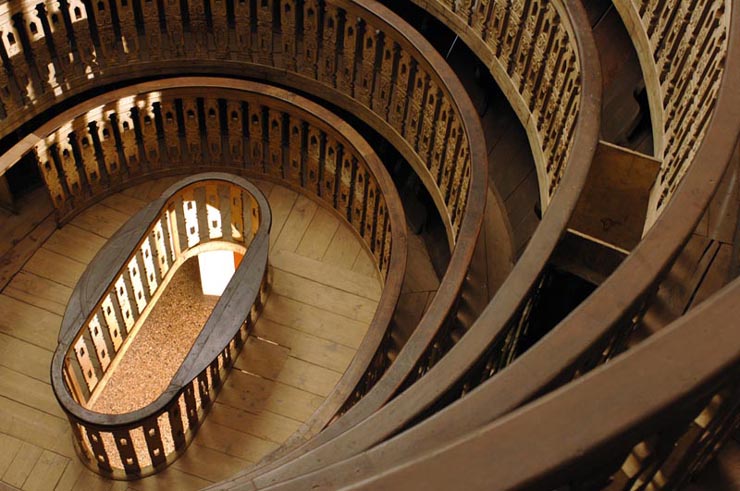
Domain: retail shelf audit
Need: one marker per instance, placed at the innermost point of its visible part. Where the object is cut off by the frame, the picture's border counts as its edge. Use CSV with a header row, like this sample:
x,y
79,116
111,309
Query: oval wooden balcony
x,y
325,287
110,306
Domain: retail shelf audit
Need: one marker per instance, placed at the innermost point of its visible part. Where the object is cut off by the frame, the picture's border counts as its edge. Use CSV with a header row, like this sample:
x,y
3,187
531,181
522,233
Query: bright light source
x,y
216,270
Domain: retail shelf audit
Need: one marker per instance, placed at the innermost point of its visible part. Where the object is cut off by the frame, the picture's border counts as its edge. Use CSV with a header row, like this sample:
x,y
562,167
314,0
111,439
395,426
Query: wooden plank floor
x,y
324,292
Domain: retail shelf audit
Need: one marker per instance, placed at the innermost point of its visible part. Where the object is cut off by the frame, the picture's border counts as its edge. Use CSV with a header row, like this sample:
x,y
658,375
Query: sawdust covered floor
x,y
160,346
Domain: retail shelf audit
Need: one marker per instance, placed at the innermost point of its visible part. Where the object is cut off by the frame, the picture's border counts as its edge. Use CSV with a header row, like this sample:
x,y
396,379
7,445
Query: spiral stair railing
x,y
452,377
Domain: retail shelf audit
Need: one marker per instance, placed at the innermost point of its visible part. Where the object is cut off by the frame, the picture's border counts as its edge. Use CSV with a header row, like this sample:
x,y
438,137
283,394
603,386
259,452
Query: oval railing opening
x,y
200,216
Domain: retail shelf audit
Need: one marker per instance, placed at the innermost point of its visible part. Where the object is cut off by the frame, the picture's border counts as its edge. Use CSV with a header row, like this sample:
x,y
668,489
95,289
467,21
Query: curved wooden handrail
x,y
527,48
213,349
390,255
459,168
111,260
583,336
444,146
376,417
578,434
680,52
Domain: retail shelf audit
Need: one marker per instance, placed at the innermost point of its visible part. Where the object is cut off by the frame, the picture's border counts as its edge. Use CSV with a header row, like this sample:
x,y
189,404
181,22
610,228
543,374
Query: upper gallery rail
x,y
430,367
682,48
359,56
187,125
597,329
51,51
115,296
529,48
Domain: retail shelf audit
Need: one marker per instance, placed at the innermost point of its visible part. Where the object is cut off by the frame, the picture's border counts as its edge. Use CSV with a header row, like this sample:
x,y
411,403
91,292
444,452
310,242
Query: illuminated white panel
x,y
216,270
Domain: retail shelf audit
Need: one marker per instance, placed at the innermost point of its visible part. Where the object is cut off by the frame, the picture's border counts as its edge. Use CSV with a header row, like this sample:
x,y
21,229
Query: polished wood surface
x,y
296,354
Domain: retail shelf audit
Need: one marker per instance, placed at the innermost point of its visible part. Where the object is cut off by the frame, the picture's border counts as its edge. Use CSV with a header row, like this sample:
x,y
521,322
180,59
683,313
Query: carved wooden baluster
x,y
129,143
213,131
195,34
399,94
86,149
243,30
50,71
371,49
307,60
219,42
346,61
313,159
429,121
327,68
130,43
15,61
328,170
53,180
262,47
441,131
348,169
286,56
384,75
256,138
150,138
295,163
152,39
275,157
192,130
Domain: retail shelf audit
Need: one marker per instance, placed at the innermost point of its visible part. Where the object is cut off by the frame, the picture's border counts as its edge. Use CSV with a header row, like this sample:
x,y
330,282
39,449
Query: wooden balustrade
x,y
52,52
162,130
356,56
593,333
530,49
682,50
394,81
427,371
243,128
114,297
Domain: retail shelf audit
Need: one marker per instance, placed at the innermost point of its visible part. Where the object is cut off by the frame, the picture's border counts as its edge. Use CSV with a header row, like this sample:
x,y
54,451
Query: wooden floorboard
x,y
33,209
75,243
325,289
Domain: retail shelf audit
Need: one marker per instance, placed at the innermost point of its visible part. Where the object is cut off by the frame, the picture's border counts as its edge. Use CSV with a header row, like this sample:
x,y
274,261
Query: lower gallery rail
x,y
205,212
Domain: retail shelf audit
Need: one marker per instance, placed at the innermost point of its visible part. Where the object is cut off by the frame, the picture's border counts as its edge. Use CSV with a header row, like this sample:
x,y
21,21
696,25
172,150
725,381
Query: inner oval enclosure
x,y
336,253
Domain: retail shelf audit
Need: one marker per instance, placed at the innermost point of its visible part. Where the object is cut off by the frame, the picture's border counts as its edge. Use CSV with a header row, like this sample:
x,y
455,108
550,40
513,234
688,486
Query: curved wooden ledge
x,y
457,181
580,340
117,291
580,433
448,154
376,416
379,221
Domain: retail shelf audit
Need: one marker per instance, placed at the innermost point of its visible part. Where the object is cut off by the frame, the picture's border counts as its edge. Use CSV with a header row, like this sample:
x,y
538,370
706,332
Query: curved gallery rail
x,y
435,376
531,49
393,80
681,52
584,431
254,130
590,335
118,291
